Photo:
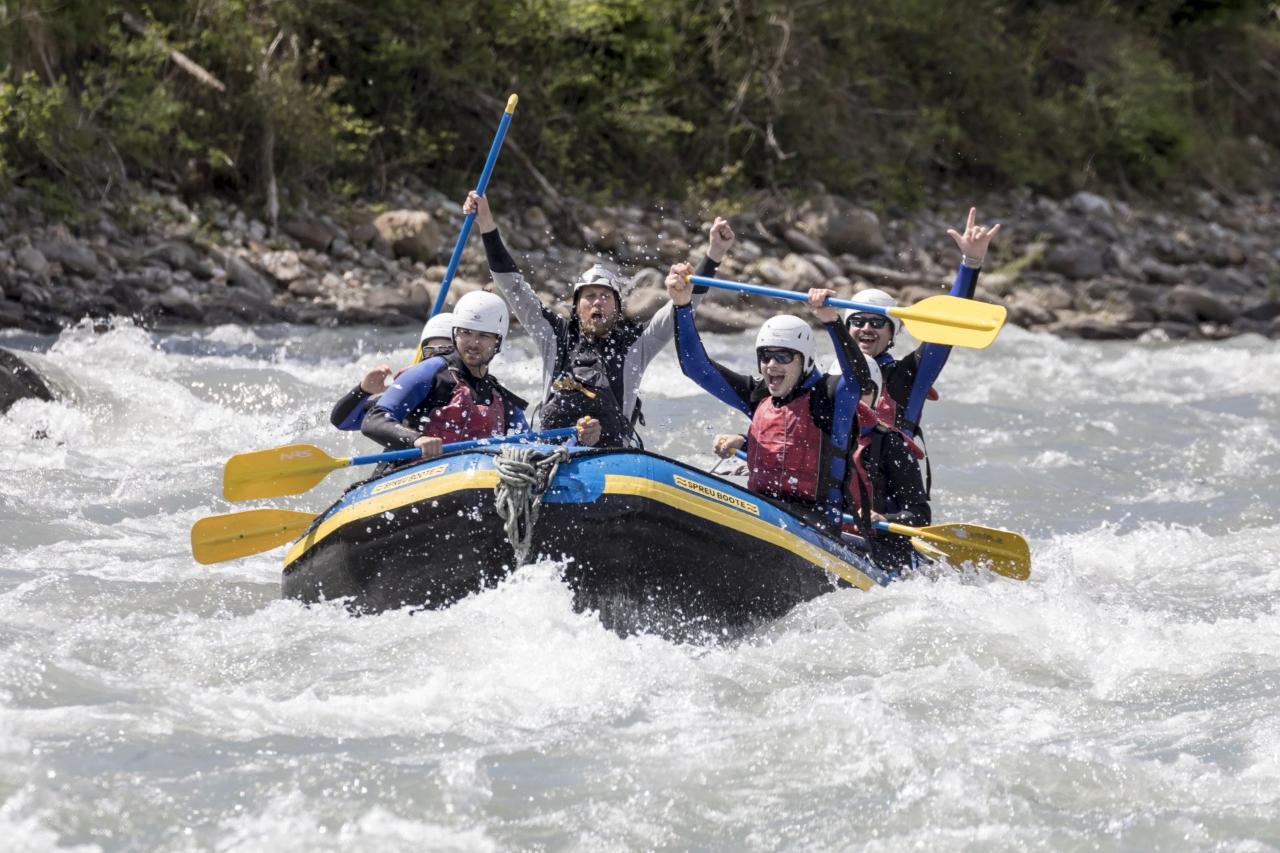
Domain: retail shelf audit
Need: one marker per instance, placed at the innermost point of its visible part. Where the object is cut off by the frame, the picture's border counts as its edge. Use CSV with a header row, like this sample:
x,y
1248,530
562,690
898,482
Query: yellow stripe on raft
x,y
615,484
485,478
620,484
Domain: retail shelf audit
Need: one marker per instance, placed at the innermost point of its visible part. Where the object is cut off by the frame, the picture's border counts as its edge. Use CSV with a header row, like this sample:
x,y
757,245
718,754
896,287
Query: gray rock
x,y
32,260
802,273
1263,311
1078,261
643,304
283,266
649,278
1161,273
240,274
72,255
830,269
771,271
840,226
410,233
175,254
803,243
673,249
1092,205
310,233
178,301
1199,303
307,287
536,217
12,314
17,380
33,295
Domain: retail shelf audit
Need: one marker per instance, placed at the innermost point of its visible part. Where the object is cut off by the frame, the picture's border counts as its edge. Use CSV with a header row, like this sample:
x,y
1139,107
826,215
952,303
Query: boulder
x,y
310,233
723,318
1090,204
410,233
1262,311
177,300
771,271
1075,261
72,256
241,275
284,266
840,227
17,380
32,260
802,273
642,305
1188,301
177,255
802,242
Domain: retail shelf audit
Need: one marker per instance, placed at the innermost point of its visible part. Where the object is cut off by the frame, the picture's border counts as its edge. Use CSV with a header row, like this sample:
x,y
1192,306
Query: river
x,y
1126,697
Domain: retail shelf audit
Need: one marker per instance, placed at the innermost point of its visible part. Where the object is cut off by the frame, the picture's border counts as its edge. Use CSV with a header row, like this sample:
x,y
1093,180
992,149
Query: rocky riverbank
x,y
1084,266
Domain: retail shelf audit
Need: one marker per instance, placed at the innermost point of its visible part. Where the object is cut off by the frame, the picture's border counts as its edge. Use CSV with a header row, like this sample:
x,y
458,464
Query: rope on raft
x,y
523,476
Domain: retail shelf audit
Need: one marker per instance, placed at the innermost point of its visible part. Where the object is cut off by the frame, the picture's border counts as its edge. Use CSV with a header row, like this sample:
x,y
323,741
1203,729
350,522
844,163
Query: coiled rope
x,y
523,476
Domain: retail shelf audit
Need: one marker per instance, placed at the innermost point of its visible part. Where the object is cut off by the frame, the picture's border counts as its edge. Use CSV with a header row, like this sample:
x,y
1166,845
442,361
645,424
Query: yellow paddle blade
x,y
238,534
289,470
953,321
1001,551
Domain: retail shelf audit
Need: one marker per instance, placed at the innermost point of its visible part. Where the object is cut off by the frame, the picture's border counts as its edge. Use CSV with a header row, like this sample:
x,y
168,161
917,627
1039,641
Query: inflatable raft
x,y
651,544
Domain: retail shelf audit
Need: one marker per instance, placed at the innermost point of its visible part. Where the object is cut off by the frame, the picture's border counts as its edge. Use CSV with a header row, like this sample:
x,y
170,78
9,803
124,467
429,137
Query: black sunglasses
x,y
875,322
781,356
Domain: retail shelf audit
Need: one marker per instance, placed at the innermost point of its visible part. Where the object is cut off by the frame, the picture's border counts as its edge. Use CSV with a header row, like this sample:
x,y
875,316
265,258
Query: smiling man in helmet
x,y
451,397
908,381
593,361
801,419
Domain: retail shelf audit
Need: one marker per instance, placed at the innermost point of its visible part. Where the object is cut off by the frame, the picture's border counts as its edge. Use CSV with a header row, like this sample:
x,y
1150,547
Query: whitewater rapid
x,y
1126,697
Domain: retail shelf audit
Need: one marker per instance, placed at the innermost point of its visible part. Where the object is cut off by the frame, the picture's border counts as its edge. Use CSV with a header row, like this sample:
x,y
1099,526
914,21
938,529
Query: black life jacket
x,y
584,387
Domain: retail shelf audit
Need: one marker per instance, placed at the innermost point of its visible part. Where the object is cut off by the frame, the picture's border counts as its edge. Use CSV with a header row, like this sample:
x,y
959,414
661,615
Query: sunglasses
x,y
875,321
437,349
781,356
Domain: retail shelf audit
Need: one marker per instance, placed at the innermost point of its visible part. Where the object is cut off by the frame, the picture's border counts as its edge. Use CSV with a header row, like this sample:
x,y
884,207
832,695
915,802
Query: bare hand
x,y
375,381
824,313
974,241
431,447
722,237
679,288
875,516
589,431
728,444
479,205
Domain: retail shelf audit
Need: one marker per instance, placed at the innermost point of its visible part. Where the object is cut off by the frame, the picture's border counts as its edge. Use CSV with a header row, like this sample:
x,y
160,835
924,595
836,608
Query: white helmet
x,y
439,326
787,332
601,275
481,311
876,375
880,299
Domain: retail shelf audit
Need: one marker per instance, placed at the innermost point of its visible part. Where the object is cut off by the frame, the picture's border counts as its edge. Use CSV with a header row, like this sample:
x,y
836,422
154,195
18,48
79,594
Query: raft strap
x,y
524,473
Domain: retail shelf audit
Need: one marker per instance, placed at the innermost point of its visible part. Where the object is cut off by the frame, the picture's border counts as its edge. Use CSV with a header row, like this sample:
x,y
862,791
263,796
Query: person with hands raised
x,y
801,419
593,361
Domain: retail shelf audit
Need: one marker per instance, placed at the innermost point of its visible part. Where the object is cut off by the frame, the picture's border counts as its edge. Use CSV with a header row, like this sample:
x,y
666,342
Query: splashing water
x,y
1124,697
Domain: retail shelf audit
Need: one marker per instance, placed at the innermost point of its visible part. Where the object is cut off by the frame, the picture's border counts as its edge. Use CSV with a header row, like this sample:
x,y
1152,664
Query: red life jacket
x,y
464,418
784,450
861,490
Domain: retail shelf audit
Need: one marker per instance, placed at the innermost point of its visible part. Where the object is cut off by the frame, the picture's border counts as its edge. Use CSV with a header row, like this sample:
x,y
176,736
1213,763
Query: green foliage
x,y
706,100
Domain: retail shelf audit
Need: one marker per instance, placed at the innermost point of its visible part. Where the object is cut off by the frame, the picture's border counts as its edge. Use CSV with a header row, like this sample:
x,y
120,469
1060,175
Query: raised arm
x,y
383,422
723,384
542,325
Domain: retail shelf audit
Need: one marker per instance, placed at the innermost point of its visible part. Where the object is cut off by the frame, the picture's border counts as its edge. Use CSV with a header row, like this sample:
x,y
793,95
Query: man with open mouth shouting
x,y
592,362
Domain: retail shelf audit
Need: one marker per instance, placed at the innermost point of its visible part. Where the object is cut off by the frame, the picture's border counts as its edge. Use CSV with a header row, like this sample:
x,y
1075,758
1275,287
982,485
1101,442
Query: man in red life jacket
x,y
348,413
453,397
797,445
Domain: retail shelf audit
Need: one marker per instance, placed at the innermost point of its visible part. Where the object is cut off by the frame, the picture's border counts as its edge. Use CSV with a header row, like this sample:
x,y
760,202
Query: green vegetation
x,y
673,98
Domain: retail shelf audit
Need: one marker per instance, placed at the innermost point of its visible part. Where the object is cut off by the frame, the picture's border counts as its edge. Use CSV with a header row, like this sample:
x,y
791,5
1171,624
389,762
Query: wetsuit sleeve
x,y
410,390
720,382
349,411
906,484
658,331
933,357
542,325
853,367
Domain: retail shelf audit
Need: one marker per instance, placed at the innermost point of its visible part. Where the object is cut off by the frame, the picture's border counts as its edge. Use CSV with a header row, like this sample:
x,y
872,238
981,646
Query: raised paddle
x,y
947,320
238,534
481,186
295,468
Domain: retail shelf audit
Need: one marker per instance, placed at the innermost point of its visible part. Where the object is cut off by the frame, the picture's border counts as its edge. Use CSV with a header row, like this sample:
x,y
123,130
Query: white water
x,y
1126,697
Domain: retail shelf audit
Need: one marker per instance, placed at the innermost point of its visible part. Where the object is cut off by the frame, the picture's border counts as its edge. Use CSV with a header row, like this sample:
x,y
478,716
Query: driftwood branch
x,y
179,58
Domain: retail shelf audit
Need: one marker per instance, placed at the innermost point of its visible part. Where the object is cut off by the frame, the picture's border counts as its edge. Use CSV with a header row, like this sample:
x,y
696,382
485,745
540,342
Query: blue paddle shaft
x,y
414,452
703,281
481,186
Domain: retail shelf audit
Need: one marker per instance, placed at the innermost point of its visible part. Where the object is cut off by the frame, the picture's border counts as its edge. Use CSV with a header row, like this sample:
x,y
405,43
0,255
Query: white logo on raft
x,y
412,478
716,495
